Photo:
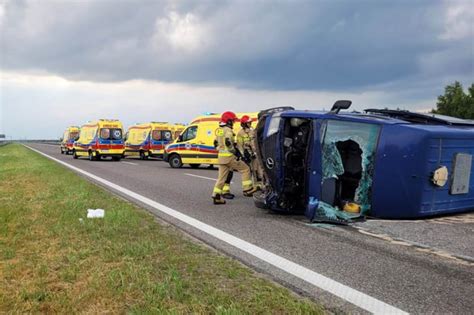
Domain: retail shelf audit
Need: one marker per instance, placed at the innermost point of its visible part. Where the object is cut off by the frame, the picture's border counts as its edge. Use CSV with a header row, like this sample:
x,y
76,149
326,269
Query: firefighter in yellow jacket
x,y
246,144
229,160
226,189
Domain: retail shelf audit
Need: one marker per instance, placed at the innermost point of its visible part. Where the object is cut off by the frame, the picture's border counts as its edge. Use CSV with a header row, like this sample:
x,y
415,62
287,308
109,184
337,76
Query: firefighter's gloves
x,y
238,155
247,157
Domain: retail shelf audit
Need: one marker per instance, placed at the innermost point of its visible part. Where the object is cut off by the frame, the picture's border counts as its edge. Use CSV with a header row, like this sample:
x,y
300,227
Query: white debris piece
x,y
95,213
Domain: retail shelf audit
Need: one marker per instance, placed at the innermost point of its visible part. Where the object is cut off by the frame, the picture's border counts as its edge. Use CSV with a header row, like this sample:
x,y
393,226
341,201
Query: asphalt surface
x,y
413,280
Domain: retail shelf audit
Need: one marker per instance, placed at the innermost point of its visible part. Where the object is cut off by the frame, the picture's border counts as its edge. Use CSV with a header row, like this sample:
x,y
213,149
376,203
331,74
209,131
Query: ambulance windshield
x,y
74,135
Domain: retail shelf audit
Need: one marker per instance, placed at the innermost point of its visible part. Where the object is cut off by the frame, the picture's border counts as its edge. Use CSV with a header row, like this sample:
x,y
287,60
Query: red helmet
x,y
245,119
227,117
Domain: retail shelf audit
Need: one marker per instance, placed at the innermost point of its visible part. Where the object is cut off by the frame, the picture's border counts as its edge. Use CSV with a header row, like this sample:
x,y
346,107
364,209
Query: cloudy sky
x,y
66,62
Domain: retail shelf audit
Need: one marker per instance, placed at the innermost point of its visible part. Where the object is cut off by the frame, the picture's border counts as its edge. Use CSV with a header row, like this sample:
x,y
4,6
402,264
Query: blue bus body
x,y
390,167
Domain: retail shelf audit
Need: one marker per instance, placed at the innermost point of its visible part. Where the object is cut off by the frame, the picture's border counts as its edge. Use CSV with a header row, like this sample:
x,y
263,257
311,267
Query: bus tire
x,y
175,161
194,165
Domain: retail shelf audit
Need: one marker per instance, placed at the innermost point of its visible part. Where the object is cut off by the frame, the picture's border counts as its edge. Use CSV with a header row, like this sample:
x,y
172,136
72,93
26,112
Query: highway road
x,y
390,272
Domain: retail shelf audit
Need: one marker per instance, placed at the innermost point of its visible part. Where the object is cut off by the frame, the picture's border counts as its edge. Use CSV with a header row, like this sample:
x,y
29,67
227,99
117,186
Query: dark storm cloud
x,y
323,45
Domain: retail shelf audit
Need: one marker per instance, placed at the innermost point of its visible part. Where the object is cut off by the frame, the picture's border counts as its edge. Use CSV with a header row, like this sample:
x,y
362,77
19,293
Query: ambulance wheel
x,y
116,158
143,156
74,155
175,161
194,165
92,157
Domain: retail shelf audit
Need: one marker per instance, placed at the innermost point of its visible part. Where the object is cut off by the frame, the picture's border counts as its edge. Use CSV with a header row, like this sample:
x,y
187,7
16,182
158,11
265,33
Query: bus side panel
x,y
439,200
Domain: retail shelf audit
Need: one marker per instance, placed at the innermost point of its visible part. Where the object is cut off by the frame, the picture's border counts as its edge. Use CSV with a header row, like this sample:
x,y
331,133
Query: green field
x,y
52,262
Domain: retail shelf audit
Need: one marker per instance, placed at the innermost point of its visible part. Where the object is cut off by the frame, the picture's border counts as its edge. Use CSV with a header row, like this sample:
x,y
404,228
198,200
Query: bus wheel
x,y
175,161
194,165
74,155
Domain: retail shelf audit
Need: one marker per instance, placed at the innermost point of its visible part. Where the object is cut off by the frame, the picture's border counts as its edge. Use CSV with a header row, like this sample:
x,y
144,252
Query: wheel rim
x,y
175,162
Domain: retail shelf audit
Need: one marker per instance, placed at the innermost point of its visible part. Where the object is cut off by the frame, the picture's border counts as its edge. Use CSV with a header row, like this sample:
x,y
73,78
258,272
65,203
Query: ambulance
x,y
177,129
98,139
70,135
149,139
195,144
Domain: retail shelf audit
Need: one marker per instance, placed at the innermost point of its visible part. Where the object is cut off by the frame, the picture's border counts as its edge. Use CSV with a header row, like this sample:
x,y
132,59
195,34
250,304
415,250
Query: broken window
x,y
348,155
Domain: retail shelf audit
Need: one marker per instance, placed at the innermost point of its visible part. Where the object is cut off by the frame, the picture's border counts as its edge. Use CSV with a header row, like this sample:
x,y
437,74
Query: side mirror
x,y
61,139
341,104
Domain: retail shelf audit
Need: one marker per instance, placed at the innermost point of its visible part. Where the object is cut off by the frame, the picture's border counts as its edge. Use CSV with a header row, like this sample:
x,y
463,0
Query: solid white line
x,y
198,176
353,296
129,163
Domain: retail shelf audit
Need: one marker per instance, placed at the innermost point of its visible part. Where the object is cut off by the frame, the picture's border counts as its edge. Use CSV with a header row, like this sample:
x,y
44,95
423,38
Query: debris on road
x,y
95,213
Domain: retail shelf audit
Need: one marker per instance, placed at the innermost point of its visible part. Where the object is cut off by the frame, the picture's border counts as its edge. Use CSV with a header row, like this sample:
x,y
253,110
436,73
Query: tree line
x,y
455,102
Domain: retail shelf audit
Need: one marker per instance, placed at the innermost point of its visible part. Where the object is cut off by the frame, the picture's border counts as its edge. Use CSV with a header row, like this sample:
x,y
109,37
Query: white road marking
x,y
203,177
129,163
340,290
198,176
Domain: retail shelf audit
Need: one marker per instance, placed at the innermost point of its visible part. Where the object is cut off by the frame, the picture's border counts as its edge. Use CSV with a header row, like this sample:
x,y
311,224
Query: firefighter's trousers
x,y
233,165
257,173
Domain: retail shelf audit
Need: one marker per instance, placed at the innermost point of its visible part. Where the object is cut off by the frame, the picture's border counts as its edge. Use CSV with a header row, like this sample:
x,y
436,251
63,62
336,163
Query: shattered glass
x,y
366,136
323,212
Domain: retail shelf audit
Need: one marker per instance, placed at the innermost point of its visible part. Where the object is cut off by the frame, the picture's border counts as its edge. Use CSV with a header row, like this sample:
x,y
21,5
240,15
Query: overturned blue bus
x,y
380,163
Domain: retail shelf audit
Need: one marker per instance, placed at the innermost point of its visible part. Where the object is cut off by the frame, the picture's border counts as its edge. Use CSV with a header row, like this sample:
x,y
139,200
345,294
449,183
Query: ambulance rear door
x,y
160,138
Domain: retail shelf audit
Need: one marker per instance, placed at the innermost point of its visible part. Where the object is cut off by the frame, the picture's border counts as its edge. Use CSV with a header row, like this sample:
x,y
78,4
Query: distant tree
x,y
455,102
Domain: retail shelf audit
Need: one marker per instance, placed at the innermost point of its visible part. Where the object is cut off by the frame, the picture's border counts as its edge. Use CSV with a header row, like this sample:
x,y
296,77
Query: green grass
x,y
125,263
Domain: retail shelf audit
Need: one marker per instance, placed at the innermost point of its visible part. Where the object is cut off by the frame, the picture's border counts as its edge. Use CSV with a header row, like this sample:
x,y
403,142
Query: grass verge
x,y
52,262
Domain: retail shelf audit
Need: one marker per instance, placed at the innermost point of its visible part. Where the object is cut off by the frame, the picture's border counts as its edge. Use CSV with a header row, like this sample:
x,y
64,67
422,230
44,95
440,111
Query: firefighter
x,y
246,144
226,189
229,160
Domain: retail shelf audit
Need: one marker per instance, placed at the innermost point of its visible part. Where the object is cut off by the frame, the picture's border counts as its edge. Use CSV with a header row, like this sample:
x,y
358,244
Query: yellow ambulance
x,y
148,140
195,144
101,138
177,129
70,135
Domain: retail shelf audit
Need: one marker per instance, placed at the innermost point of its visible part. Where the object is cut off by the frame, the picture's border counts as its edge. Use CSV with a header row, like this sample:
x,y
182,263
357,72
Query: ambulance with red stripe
x,y
99,139
149,139
70,135
195,145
